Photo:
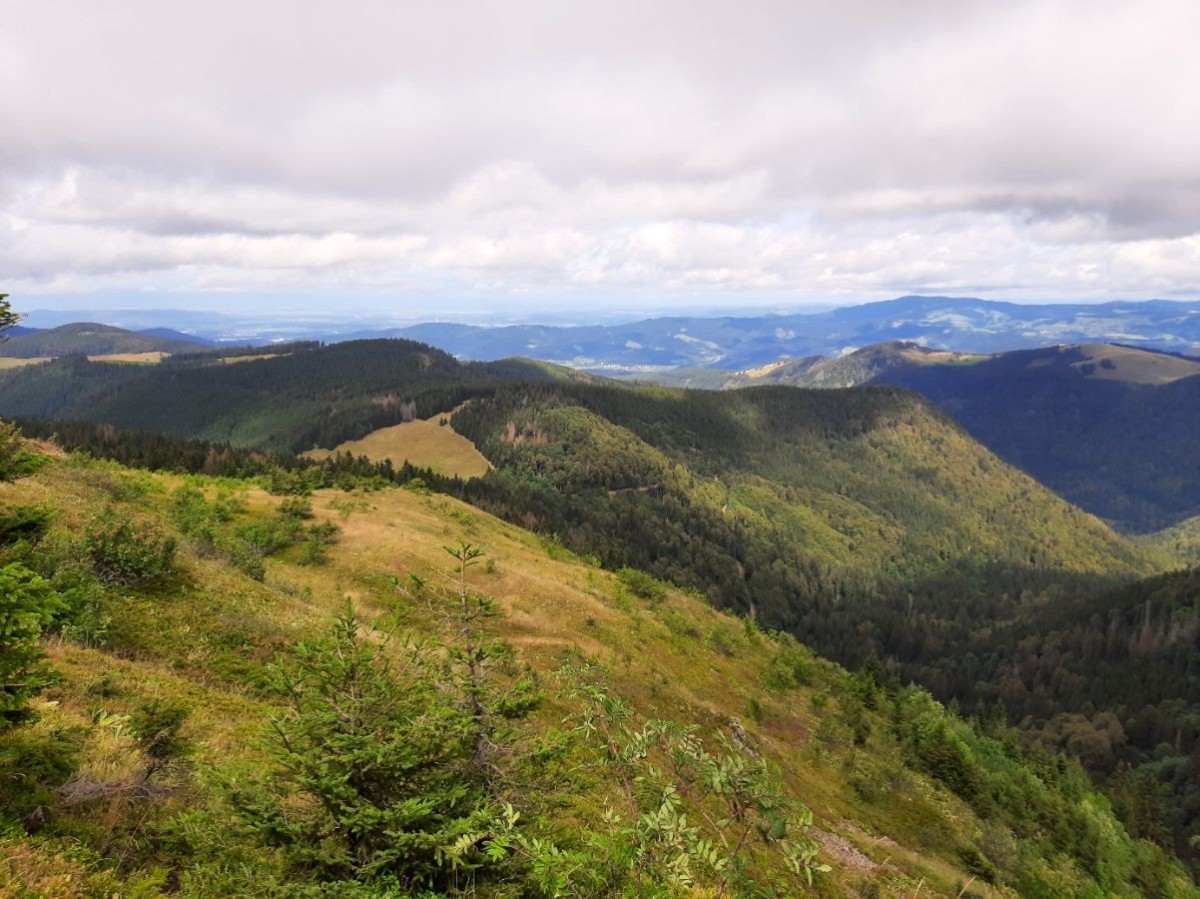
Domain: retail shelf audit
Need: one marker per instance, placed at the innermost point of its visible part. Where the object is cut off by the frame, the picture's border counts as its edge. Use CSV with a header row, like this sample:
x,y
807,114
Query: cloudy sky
x,y
526,155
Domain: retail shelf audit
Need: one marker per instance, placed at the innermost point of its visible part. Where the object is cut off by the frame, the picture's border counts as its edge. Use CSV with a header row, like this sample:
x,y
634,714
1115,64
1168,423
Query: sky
x,y
509,156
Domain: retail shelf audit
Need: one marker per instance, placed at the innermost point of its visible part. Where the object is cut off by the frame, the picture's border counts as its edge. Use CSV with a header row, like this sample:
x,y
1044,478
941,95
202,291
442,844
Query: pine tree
x,y
379,756
8,318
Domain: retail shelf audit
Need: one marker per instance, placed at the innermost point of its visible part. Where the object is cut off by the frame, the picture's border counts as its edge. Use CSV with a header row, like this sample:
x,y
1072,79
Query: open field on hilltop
x,y
425,443
8,363
1133,365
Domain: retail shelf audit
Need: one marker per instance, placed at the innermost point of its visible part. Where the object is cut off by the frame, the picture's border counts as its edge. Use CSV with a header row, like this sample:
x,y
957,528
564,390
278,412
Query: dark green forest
x,y
1124,451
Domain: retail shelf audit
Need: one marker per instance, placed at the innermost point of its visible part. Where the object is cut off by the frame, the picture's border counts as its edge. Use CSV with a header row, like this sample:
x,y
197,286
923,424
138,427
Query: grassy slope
x,y
206,641
424,443
7,364
147,358
1133,365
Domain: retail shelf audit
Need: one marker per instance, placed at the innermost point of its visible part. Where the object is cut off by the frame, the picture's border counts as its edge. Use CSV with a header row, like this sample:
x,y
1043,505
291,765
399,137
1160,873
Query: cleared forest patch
x,y
425,443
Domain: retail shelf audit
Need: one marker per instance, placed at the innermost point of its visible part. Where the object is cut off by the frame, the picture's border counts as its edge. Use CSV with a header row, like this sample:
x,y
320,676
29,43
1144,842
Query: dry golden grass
x,y
6,363
1135,366
131,358
424,443
127,358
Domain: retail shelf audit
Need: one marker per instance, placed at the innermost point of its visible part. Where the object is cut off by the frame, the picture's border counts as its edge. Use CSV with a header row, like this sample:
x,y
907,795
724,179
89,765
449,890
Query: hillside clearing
x,y
152,358
7,363
425,443
1134,366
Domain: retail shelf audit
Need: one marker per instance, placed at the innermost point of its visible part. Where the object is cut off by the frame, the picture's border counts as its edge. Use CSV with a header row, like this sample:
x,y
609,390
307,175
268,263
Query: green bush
x,y
157,724
642,585
378,755
788,668
27,606
15,459
127,554
297,507
33,762
23,524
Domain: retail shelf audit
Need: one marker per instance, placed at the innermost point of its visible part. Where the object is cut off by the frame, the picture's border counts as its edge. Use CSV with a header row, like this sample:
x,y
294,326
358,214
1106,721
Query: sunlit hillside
x,y
255,573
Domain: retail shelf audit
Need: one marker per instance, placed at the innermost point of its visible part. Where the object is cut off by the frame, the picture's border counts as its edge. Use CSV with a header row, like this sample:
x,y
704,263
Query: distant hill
x,y
89,339
180,336
851,370
666,346
293,397
18,330
1112,428
731,343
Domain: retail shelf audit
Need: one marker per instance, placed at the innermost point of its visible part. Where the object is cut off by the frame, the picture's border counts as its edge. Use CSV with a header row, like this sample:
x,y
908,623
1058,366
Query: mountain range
x,y
739,342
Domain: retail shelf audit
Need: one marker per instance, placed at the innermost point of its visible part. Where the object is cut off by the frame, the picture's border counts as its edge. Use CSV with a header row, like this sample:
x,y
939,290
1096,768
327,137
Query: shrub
x,y
642,585
26,524
27,605
790,667
34,761
15,460
127,554
379,756
157,724
289,483
297,507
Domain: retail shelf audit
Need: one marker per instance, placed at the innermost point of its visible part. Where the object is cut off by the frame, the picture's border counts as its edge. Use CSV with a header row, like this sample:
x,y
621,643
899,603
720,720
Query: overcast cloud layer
x,y
565,151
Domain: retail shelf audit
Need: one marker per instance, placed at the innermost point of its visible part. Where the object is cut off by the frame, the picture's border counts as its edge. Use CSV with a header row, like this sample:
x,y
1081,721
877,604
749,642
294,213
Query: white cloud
x,y
1017,149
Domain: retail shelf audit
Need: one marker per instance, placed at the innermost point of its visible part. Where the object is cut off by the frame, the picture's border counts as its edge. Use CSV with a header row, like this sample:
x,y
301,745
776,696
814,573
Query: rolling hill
x,y
655,347
850,475
1111,428
295,397
152,759
89,339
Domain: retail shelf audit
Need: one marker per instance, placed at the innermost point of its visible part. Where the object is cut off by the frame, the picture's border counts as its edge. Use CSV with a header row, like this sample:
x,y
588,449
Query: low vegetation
x,y
532,726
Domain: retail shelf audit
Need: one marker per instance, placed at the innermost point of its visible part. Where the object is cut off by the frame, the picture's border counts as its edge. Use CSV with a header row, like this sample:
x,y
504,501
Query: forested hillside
x,y
517,721
294,397
1114,433
87,339
1111,428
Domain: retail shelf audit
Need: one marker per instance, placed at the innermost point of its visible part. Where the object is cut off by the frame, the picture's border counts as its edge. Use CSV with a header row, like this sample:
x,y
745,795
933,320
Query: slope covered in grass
x,y
425,443
905,798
